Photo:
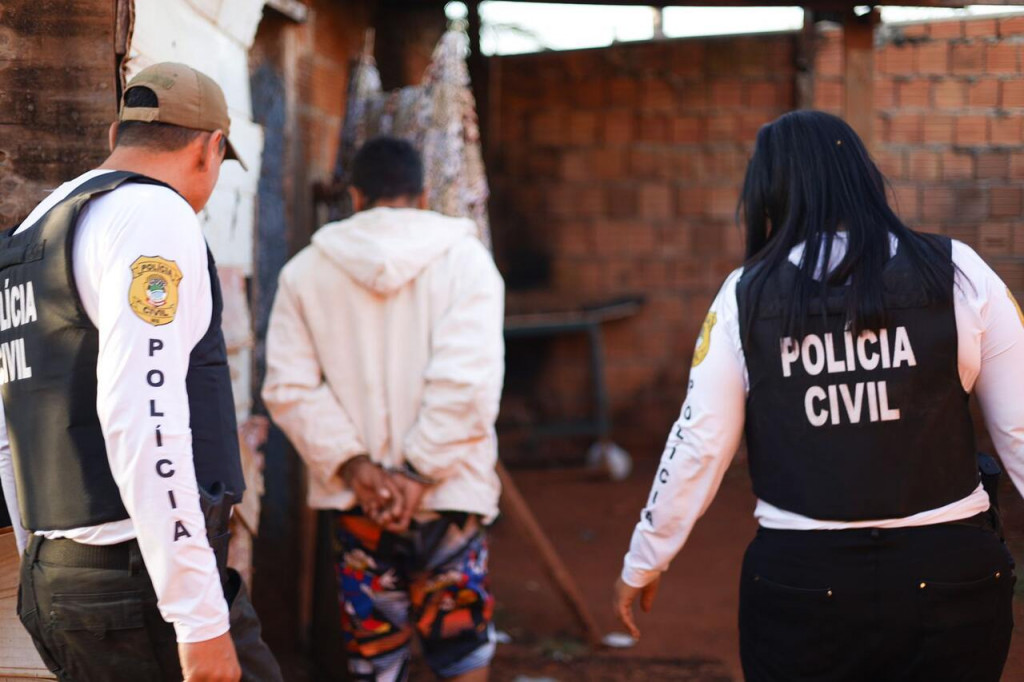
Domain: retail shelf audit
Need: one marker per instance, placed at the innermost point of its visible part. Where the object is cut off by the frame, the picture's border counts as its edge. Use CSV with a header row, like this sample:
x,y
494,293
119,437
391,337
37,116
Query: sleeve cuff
x,y
187,633
638,578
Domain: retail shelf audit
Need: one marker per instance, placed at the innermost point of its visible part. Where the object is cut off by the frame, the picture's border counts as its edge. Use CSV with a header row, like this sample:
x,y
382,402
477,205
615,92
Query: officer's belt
x,y
64,552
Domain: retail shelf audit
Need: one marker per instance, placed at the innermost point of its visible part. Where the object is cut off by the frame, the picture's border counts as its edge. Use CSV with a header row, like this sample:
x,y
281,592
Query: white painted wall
x,y
215,36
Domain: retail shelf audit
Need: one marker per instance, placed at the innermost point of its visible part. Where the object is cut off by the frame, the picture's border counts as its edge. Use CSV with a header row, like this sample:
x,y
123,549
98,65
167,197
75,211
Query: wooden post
x,y
859,67
515,506
807,45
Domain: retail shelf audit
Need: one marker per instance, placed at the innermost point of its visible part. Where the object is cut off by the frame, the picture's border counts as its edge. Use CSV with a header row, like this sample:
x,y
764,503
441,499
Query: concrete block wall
x,y
616,172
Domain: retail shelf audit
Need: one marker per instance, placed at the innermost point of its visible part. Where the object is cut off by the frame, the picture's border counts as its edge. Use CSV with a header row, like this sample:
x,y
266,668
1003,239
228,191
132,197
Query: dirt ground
x,y
691,633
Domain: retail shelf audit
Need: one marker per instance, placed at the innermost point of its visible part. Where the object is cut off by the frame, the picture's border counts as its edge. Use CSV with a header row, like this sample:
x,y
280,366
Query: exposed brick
x,y
749,126
968,58
623,92
584,127
589,201
957,165
658,94
905,200
687,129
918,31
1011,94
573,166
885,94
898,60
621,201
983,93
607,163
949,94
548,127
996,239
1002,58
953,28
1005,202
971,130
924,165
727,93
1005,130
933,58
981,28
939,129
655,128
691,201
1017,164
655,202
619,126
574,238
904,129
970,204
967,233
829,58
914,93
939,204
992,164
687,57
828,94
1011,26
588,93
722,202
891,164
1018,240
722,127
766,95
650,162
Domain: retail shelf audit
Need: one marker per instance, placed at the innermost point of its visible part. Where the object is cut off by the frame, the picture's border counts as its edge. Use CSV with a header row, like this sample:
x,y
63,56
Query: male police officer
x,y
118,405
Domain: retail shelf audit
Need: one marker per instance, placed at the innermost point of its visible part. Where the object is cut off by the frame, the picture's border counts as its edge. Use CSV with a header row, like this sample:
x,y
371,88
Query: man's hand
x,y
211,661
412,494
623,600
377,492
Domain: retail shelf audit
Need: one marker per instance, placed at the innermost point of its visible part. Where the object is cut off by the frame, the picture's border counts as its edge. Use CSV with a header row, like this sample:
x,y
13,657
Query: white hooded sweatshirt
x,y
385,339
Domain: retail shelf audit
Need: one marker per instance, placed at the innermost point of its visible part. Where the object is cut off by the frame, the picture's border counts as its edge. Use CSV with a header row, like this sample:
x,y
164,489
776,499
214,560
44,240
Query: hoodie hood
x,y
385,248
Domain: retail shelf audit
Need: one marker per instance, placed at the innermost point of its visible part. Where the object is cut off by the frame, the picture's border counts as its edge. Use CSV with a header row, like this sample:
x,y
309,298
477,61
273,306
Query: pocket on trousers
x,y
104,636
30,621
960,622
792,629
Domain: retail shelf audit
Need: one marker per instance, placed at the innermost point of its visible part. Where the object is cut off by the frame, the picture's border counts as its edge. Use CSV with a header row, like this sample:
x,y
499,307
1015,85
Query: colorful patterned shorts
x,y
431,580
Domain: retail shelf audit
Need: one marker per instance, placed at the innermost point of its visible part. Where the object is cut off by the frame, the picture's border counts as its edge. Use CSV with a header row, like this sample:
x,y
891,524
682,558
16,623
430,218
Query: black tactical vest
x,y
48,355
855,428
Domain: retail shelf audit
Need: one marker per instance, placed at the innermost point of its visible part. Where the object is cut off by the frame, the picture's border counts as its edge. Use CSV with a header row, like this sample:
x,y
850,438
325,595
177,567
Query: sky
x,y
514,27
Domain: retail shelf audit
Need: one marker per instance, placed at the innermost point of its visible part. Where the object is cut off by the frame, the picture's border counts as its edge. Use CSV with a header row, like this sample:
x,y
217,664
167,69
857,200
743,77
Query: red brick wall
x,y
949,97
616,171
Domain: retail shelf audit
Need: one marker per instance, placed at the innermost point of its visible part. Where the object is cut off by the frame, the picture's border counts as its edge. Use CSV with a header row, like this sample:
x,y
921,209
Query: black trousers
x,y
928,604
93,617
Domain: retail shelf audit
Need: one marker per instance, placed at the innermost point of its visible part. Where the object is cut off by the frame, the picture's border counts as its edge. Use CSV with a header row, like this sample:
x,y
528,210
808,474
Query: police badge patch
x,y
704,340
153,294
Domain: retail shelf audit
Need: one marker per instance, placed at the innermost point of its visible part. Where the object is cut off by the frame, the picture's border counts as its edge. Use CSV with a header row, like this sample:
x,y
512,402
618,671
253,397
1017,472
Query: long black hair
x,y
809,178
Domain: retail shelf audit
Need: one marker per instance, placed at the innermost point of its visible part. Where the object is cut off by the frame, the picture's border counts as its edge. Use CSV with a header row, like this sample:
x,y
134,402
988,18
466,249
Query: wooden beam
x,y
859,68
515,506
831,5
806,48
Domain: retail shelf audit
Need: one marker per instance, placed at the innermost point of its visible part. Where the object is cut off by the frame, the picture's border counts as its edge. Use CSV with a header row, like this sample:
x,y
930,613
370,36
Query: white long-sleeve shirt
x,y
990,335
114,230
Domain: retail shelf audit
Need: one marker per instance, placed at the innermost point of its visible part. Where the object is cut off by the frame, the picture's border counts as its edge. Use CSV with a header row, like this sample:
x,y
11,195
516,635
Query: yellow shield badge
x,y
153,294
704,340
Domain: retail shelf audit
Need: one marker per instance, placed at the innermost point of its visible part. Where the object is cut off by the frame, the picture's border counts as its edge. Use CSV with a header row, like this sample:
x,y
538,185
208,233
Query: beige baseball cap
x,y
186,98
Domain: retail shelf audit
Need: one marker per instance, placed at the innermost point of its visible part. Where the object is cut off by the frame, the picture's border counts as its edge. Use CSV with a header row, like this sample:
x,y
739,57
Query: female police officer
x,y
845,351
